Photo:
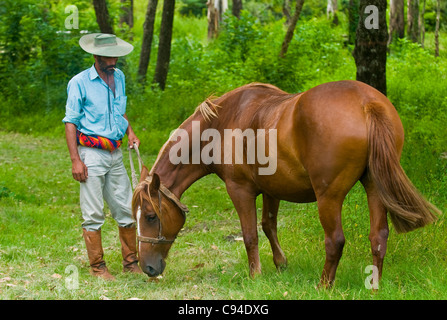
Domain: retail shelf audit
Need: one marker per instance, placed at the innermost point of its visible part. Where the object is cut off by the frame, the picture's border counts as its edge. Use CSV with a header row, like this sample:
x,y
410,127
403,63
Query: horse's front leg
x,y
245,203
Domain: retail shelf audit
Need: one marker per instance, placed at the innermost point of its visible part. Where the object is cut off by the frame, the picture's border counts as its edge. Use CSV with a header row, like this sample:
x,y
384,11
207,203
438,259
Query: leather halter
x,y
183,209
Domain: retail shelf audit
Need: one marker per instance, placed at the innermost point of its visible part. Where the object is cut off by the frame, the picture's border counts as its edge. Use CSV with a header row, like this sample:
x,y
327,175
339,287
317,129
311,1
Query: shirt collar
x,y
92,73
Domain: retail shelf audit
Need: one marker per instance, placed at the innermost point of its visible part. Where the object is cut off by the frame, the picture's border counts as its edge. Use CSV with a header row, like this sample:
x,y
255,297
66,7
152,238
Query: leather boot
x,y
95,254
128,240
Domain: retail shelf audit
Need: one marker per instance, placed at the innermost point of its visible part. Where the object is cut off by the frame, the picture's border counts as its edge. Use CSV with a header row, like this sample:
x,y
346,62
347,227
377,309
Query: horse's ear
x,y
144,173
155,183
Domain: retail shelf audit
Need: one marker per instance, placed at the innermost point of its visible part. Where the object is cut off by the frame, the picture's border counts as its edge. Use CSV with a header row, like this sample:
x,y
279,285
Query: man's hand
x,y
79,171
132,138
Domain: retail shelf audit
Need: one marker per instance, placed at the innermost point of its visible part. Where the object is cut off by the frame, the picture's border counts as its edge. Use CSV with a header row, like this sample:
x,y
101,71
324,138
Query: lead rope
x,y
140,165
108,101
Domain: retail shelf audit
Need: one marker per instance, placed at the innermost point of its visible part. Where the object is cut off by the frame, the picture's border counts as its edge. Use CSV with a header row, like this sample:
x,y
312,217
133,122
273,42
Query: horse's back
x,y
256,105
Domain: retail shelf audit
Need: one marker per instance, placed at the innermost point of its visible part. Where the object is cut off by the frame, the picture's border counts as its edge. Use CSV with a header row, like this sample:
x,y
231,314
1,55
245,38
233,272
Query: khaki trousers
x,y
107,180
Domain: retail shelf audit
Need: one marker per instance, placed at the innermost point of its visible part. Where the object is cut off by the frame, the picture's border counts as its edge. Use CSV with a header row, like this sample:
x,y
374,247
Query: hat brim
x,y
122,48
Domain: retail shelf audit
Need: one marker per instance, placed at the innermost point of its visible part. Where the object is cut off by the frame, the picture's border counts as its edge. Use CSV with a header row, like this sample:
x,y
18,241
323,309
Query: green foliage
x,y
430,16
247,51
408,68
33,66
193,7
416,86
239,35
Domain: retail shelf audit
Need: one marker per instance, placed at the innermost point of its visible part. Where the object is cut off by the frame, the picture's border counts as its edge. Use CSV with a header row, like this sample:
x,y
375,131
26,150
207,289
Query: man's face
x,y
106,64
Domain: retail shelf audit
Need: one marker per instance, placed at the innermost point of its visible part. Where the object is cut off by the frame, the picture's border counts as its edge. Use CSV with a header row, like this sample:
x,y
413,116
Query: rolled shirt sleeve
x,y
73,108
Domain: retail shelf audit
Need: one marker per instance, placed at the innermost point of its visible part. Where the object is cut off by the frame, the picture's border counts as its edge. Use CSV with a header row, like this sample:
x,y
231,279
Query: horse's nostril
x,y
150,271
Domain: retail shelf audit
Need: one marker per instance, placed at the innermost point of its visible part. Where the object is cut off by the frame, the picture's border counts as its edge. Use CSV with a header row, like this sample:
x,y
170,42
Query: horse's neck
x,y
178,177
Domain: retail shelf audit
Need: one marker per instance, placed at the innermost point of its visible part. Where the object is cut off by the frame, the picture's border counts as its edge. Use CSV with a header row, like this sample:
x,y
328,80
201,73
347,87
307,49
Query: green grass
x,y
41,236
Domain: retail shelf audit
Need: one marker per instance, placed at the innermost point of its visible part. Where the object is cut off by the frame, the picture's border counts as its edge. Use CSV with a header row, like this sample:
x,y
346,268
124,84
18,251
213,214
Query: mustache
x,y
109,69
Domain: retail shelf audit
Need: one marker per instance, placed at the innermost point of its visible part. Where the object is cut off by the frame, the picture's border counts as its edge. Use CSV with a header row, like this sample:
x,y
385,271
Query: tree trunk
x,y
353,17
216,8
397,21
126,15
164,46
371,44
286,10
291,28
102,16
438,17
148,33
237,8
412,20
213,19
222,6
421,23
331,11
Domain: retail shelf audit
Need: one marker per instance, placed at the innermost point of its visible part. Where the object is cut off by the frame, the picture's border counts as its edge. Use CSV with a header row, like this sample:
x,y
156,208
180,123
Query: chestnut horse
x,y
329,137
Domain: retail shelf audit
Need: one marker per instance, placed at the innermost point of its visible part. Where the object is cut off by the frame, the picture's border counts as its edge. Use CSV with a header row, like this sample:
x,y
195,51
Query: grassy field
x,y
42,250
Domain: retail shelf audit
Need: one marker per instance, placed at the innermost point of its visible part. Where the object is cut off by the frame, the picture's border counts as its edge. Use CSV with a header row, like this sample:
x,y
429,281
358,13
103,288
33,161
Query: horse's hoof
x,y
281,266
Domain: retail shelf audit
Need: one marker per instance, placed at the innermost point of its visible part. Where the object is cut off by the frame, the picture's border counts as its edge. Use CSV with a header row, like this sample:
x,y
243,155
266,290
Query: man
x,y
95,123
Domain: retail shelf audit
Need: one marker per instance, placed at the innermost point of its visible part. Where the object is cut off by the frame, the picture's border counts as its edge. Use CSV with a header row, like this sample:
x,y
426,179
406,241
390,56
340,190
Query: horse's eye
x,y
151,217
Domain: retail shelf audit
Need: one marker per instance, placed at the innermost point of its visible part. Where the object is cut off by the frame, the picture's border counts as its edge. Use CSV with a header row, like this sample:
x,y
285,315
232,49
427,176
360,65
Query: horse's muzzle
x,y
153,269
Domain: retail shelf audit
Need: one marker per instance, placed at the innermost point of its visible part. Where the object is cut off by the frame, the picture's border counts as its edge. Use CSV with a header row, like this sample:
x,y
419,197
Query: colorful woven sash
x,y
97,142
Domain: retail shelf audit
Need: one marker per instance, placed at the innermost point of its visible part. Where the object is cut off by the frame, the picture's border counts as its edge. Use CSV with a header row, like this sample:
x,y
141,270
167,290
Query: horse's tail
x,y
407,207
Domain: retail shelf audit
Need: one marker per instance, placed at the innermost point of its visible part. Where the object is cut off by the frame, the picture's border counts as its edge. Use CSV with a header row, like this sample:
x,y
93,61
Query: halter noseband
x,y
183,209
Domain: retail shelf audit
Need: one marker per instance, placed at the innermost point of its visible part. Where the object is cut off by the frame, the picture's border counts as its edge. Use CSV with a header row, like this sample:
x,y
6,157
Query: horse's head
x,y
159,217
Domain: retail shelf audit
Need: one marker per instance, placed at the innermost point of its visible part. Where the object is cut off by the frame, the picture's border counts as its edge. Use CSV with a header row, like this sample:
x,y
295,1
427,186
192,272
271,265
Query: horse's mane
x,y
209,109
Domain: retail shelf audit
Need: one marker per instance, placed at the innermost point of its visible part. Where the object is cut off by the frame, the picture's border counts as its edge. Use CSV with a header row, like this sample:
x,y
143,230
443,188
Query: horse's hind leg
x,y
269,223
331,187
329,209
378,235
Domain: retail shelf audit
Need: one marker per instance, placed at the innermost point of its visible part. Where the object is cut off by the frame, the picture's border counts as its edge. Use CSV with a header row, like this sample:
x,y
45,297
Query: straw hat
x,y
106,45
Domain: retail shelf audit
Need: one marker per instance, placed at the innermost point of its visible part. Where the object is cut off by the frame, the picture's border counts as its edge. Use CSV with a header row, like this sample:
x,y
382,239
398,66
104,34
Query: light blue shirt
x,y
94,108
